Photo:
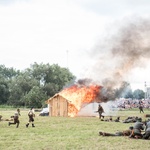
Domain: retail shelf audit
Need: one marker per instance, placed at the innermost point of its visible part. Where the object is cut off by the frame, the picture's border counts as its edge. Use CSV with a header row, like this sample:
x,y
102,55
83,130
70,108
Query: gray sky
x,y
68,33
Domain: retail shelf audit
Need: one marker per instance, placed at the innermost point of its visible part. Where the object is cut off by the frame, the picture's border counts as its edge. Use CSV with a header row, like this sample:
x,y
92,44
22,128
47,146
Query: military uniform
x,y
18,110
146,135
141,108
136,132
130,120
16,120
100,111
31,116
118,133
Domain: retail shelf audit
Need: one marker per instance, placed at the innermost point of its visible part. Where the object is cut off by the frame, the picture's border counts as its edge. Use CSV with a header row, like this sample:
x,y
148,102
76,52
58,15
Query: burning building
x,y
116,57
71,100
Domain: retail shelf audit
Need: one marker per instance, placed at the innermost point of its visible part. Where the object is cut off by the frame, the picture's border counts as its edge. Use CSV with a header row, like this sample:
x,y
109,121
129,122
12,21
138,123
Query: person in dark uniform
x,y
141,108
16,120
131,119
137,128
146,135
31,115
100,111
118,133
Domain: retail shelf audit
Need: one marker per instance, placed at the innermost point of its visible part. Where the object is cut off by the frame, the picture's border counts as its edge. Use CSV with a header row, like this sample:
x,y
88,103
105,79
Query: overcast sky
x,y
67,33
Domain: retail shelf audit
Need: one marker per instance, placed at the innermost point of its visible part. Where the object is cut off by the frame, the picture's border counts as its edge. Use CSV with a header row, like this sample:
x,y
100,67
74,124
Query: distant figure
x,y
109,119
18,110
141,108
16,120
100,111
117,119
31,115
131,119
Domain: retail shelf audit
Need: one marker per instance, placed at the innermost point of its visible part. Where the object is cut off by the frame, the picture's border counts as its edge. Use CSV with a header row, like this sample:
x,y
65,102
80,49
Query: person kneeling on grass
x,y
16,120
118,133
136,132
31,115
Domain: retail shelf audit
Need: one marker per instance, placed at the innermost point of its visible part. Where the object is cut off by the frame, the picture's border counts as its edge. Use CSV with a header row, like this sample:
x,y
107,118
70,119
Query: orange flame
x,y
78,96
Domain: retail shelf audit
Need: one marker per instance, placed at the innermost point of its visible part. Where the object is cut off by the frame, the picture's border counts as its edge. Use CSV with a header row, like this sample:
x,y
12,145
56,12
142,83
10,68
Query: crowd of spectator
x,y
132,103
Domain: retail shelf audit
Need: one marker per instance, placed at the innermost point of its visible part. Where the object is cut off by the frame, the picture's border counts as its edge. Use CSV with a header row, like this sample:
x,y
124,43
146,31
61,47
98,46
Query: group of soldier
x,y
16,121
134,131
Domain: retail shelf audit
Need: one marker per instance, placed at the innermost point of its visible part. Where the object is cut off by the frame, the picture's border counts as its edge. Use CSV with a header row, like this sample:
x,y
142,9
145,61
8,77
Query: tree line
x,y
32,86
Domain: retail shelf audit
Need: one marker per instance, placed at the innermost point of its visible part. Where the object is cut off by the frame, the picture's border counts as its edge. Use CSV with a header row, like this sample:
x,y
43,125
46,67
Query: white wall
x,y
89,110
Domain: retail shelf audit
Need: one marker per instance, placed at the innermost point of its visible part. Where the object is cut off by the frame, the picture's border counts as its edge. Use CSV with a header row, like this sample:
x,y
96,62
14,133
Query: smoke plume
x,y
117,55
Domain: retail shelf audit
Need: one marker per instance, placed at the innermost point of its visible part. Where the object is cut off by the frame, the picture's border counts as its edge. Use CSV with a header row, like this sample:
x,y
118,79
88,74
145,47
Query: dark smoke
x,y
104,95
85,82
125,50
118,55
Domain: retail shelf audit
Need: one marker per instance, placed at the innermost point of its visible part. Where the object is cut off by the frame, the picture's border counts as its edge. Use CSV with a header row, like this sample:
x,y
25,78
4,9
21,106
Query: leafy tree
x,y
19,87
4,91
35,84
52,78
35,97
8,73
138,94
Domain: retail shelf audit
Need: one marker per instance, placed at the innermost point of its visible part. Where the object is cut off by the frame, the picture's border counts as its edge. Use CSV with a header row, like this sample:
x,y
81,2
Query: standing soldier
x,y
31,115
100,111
16,119
141,108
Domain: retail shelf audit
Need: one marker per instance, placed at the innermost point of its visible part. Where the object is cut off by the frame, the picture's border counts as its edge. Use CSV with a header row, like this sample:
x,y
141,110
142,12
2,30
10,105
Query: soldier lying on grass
x,y
137,128
118,133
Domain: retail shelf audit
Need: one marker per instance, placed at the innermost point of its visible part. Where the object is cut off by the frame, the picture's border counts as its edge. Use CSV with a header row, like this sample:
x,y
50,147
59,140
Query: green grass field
x,y
62,133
